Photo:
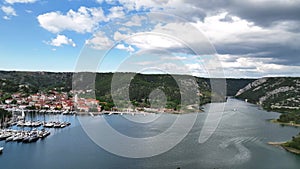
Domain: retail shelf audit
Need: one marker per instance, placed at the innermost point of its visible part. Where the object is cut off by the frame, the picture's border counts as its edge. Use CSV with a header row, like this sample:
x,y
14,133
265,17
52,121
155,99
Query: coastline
x,y
282,145
285,124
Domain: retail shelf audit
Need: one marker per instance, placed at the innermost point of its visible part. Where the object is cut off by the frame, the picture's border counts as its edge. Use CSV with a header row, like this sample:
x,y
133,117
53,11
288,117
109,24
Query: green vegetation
x,y
4,113
294,143
140,88
4,116
293,118
234,85
32,82
280,94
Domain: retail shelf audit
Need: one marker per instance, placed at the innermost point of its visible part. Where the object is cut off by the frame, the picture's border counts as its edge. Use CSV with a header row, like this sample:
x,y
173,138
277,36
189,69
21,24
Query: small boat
x,y
1,150
18,138
44,134
28,124
20,123
33,138
4,136
26,139
57,125
48,125
65,112
8,139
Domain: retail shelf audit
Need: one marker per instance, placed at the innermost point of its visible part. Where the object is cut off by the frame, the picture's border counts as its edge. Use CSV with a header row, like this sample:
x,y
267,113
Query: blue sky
x,y
188,37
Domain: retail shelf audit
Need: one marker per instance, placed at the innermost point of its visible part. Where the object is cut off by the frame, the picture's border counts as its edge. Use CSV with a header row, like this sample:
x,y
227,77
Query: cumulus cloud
x,y
255,36
239,37
9,11
135,20
116,12
81,21
244,66
61,40
123,47
152,41
100,41
20,1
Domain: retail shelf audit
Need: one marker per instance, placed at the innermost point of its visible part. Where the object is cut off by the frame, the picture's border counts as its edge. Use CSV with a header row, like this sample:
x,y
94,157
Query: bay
x,y
240,141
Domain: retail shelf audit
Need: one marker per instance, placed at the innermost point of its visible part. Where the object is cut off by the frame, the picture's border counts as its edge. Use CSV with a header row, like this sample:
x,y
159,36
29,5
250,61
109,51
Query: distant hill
x,y
38,80
273,93
140,86
234,85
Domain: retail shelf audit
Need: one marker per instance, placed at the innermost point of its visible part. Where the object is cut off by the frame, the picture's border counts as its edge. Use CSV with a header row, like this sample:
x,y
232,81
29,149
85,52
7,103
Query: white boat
x,y
18,138
1,149
48,125
9,138
65,112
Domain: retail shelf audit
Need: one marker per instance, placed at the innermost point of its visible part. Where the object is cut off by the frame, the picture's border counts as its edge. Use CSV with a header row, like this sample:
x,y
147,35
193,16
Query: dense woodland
x,y
140,86
290,117
294,143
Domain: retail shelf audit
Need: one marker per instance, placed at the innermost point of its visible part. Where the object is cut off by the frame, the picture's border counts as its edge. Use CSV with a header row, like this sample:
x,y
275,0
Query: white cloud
x,y
107,1
100,41
100,1
6,18
81,21
116,12
84,20
174,58
20,1
9,11
135,21
240,30
123,47
119,36
152,41
140,4
61,40
245,66
28,11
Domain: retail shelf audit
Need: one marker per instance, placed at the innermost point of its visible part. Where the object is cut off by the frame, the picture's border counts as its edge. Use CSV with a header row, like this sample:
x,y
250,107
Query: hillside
x,y
279,94
274,93
36,81
140,87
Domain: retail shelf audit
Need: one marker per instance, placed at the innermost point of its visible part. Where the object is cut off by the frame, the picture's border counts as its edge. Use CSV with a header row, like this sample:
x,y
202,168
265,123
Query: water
x,y
239,142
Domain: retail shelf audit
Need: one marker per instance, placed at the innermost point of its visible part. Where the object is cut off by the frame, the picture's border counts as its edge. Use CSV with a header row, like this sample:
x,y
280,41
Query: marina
x,y
239,142
22,135
30,127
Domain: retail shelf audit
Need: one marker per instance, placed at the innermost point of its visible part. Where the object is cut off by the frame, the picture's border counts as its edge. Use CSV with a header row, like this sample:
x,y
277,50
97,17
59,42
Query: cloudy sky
x,y
249,38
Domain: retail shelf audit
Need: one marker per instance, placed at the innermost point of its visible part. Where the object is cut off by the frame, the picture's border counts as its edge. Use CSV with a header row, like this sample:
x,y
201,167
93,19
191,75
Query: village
x,y
52,101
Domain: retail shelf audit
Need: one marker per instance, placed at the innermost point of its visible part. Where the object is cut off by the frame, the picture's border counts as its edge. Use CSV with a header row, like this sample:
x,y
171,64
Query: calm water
x,y
239,142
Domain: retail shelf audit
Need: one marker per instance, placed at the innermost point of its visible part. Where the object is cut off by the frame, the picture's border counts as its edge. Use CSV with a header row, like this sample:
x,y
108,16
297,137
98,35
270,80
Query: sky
x,y
224,38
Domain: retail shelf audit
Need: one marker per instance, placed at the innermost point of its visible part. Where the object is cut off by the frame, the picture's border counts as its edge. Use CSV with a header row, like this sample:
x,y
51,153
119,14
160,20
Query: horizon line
x,y
49,71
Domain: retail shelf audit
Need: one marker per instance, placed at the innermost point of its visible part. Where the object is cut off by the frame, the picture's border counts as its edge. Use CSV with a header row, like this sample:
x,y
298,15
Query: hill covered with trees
x,y
141,85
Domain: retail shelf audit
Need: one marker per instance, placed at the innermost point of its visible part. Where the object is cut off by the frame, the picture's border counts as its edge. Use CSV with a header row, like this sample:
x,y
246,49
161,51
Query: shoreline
x,y
285,124
282,145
